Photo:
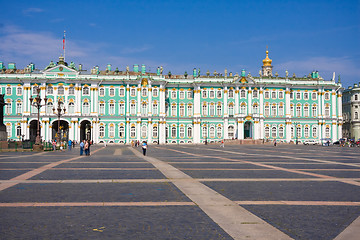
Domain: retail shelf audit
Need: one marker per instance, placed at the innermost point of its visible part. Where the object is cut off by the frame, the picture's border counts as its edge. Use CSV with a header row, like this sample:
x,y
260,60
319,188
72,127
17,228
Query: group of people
x,y
85,147
144,145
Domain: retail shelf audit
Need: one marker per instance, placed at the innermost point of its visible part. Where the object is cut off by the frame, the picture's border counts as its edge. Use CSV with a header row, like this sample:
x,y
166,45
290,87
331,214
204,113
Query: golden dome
x,y
267,61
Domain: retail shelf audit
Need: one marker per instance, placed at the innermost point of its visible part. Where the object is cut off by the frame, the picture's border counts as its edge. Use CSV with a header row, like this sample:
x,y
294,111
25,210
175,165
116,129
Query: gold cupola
x,y
267,61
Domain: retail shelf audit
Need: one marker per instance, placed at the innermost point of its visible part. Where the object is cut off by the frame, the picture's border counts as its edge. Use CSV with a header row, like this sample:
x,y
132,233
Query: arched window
x,y
212,132
273,132
18,108
243,109
61,90
267,110
144,92
121,131
327,111
18,131
298,131
218,110
112,92
49,107
173,132
242,93
327,132
306,111
255,94
182,132
173,110
132,132
71,107
273,110
155,109
102,92
231,93
50,90
155,132
122,108
144,131
314,111
189,110
231,110
182,110
255,109
111,130
189,132
204,110
204,132
281,132
182,94
101,131
8,108
306,132
102,108
144,109
281,110
314,132
71,90
212,110
219,132
155,92
231,131
267,132
86,108
86,91
132,108
122,92
298,111
327,96
111,108
19,90
212,94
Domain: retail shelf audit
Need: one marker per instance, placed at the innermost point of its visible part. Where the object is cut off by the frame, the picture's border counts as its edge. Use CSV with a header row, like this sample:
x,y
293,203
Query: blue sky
x,y
302,36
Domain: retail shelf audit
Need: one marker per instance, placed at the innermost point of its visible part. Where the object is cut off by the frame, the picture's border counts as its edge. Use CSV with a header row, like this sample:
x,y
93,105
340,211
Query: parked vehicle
x,y
310,142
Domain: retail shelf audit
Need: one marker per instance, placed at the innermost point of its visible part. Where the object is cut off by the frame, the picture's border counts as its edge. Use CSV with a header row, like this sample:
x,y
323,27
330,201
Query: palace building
x,y
117,106
351,112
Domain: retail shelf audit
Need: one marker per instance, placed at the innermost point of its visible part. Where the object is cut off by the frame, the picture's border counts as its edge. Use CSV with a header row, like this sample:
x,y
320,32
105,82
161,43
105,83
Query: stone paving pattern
x,y
306,192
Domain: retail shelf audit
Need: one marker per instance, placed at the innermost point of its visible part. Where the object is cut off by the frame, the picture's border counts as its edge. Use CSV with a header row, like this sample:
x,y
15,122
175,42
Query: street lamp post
x,y
59,111
36,102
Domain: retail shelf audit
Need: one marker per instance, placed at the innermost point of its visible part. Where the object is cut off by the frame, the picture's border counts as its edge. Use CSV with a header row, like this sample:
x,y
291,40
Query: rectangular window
x,y
133,92
189,110
173,94
273,94
182,94
102,109
122,108
122,92
204,110
182,111
111,108
189,94
204,93
155,92
306,96
212,110
281,94
314,96
281,110
255,94
155,109
267,111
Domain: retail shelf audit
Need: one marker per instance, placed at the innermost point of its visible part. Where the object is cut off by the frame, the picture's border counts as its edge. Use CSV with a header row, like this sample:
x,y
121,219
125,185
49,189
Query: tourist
x,y
86,148
82,144
144,147
222,143
69,145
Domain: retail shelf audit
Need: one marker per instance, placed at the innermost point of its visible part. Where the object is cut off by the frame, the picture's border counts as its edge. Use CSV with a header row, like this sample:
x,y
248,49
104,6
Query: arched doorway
x,y
85,130
248,130
33,130
63,130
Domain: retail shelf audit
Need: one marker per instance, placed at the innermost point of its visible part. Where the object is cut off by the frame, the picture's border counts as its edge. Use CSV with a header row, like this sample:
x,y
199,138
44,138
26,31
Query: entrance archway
x,y
248,130
85,130
33,130
64,130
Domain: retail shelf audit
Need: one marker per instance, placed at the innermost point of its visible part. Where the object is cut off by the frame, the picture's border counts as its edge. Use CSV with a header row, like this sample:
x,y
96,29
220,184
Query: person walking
x,y
222,143
82,148
274,143
54,145
69,145
86,148
144,147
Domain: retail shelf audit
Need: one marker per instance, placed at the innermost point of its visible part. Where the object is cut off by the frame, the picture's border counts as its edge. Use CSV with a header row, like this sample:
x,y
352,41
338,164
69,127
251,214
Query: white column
x,y
197,131
77,101
150,130
249,101
138,129
149,92
197,102
339,114
236,102
127,129
77,131
287,103
288,131
127,104
226,125
138,103
261,107
261,128
226,112
240,129
256,133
